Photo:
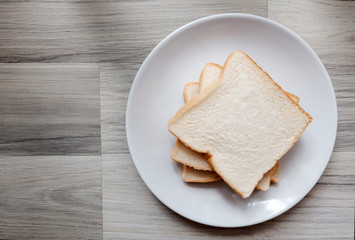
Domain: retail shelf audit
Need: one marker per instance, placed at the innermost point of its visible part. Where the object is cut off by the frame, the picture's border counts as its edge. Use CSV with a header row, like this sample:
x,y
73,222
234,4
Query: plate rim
x,y
214,17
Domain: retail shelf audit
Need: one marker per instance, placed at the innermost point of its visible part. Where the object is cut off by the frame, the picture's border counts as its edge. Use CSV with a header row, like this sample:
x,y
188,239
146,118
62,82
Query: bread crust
x,y
295,98
268,174
275,177
187,85
213,178
172,155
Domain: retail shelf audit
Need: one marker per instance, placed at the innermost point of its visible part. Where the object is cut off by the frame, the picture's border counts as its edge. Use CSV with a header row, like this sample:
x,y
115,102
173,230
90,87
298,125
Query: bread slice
x,y
180,152
195,160
211,73
265,181
191,90
275,176
244,121
186,156
192,175
198,161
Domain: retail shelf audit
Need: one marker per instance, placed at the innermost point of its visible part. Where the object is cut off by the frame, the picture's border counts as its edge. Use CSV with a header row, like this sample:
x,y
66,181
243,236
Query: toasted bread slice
x,y
244,121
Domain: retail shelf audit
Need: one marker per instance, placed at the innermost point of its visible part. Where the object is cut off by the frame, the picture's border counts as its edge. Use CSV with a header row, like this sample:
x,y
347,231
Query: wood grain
x,y
116,80
49,109
50,197
122,31
132,212
50,105
329,28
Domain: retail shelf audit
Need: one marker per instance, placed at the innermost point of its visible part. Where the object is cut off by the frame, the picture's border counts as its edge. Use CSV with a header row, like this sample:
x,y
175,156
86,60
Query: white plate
x,y
156,95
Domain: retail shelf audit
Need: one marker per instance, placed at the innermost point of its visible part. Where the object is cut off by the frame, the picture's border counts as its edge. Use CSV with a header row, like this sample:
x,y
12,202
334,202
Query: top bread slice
x,y
193,160
244,121
211,73
188,157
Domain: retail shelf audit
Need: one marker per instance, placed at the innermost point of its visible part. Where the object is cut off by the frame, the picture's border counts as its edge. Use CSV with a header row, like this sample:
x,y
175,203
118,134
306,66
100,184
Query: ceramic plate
x,y
156,95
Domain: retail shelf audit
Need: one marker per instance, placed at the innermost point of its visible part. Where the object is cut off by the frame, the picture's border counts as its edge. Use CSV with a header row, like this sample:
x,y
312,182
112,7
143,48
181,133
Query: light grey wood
x,y
116,81
329,28
130,211
57,104
50,197
122,31
49,109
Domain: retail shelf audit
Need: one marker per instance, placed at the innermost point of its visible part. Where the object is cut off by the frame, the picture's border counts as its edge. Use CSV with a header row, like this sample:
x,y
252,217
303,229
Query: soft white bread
x,y
180,152
183,154
192,175
275,176
264,183
191,90
188,157
244,121
211,73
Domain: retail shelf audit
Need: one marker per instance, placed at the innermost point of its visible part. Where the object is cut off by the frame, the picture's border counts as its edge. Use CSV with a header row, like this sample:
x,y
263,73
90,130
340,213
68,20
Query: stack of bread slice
x,y
236,124
195,165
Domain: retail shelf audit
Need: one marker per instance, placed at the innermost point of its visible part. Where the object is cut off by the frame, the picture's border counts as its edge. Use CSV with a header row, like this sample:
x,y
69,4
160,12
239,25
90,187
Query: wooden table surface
x,y
65,73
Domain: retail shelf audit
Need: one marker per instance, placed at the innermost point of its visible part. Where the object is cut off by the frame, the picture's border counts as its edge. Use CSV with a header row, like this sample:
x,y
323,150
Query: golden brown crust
x,y
293,97
275,177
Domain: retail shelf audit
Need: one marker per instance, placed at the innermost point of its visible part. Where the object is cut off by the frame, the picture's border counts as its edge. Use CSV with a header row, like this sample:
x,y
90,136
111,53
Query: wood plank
x,y
329,28
49,109
116,81
121,31
340,170
59,197
130,211
54,197
343,78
